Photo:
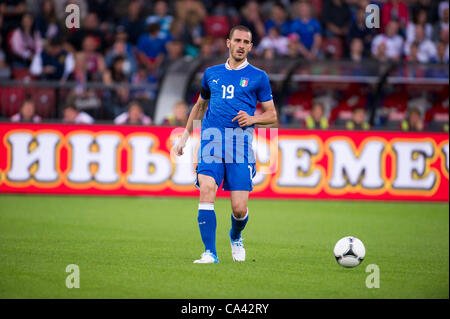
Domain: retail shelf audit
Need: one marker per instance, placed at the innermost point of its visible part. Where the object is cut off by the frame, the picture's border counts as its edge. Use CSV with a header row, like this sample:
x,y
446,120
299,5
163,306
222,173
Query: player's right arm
x,y
197,113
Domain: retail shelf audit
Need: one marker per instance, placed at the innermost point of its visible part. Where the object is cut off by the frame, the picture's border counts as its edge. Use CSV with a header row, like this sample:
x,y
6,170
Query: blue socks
x,y
237,225
207,224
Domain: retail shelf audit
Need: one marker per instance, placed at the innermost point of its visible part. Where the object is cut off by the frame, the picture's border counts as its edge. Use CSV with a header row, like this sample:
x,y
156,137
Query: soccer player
x,y
227,104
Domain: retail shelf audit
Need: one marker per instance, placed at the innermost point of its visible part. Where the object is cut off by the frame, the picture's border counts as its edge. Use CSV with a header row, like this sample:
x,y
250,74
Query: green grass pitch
x,y
144,247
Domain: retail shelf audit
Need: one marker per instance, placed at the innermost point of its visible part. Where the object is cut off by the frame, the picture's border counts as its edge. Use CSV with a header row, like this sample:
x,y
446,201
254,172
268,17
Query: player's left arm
x,y
268,116
264,96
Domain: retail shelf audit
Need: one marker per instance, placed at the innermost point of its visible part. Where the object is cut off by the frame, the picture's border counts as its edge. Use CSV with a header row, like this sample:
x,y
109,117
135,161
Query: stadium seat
x,y
298,105
45,101
343,111
438,116
22,74
217,26
317,6
8,41
394,107
333,47
11,99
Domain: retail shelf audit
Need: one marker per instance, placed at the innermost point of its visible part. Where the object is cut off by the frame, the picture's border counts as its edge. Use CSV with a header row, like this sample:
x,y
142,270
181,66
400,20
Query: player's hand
x,y
244,119
178,149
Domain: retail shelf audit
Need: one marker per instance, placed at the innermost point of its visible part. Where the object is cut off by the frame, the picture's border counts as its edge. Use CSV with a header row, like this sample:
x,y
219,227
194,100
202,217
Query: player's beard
x,y
238,59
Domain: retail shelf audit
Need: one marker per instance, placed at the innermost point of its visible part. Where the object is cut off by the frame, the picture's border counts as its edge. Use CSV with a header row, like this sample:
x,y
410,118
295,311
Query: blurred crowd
x,y
133,41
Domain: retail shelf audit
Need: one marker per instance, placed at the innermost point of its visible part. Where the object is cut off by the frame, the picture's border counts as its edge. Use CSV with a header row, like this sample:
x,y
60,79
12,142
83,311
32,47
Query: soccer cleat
x,y
207,258
237,249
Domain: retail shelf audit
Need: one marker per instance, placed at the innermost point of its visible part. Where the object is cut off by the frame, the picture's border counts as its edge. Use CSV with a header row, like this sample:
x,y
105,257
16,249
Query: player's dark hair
x,y
240,28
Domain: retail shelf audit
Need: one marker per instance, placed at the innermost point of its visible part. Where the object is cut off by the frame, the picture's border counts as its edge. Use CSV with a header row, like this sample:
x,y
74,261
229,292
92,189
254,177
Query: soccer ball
x,y
349,252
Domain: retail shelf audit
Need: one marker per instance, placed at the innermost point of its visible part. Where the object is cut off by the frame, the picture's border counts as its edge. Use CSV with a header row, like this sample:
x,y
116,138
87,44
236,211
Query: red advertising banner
x,y
131,160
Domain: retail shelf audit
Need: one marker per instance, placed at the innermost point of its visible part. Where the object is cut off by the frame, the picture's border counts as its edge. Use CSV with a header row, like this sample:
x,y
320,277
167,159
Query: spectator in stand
x,y
27,113
179,115
183,8
278,18
134,116
4,67
134,25
394,10
414,121
74,116
175,50
251,18
381,53
220,46
443,12
419,18
388,45
444,38
104,9
337,18
309,31
443,23
192,33
47,21
426,49
89,28
317,119
2,24
25,42
176,30
151,48
222,8
121,47
53,63
358,121
117,98
430,6
274,41
207,48
294,45
143,78
356,50
269,54
12,12
89,64
161,16
413,54
359,30
442,53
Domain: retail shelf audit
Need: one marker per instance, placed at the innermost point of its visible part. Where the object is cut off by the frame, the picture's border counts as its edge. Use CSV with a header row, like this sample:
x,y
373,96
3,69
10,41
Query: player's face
x,y
240,45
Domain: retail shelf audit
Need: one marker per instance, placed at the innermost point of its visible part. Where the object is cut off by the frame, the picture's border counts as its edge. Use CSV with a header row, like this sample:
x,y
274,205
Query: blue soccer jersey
x,y
230,91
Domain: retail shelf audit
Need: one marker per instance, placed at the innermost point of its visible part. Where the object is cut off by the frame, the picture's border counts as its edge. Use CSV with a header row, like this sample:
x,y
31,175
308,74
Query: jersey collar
x,y
241,66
